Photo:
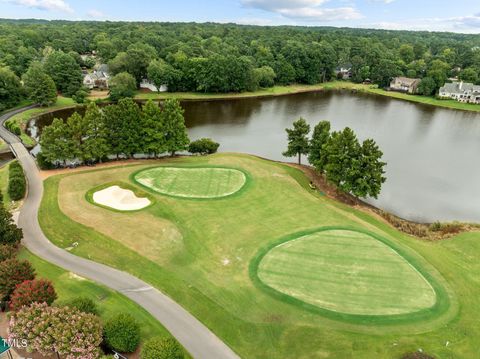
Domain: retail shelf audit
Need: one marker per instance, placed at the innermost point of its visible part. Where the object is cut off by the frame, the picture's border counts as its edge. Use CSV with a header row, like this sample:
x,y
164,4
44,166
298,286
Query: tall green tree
x,y
65,72
427,86
153,128
9,232
130,126
176,137
343,153
95,144
122,85
39,87
10,88
317,156
370,171
162,73
56,142
298,143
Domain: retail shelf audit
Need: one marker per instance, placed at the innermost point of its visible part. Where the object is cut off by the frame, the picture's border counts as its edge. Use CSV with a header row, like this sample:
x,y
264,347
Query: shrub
x,y
65,331
32,291
161,348
122,333
17,184
9,232
83,304
12,273
203,146
43,163
7,251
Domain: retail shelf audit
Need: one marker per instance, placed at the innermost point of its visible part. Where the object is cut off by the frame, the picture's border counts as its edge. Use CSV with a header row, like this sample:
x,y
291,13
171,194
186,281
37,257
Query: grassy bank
x,y
199,253
22,118
293,89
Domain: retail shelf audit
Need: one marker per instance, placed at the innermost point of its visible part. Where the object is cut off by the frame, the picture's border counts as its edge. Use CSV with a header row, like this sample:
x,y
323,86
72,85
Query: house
x,y
97,79
461,91
404,84
149,85
344,72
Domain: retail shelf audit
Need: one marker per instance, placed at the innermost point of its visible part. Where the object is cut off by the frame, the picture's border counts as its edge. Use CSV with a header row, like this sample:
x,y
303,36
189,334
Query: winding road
x,y
197,339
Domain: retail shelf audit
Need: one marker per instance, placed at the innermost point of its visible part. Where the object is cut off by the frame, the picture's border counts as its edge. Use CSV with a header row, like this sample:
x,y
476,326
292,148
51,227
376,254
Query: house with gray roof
x,y
461,91
404,84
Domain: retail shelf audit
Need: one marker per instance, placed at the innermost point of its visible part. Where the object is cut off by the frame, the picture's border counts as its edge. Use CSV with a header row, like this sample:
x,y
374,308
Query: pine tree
x,y
298,143
321,134
153,129
95,146
371,171
9,232
176,137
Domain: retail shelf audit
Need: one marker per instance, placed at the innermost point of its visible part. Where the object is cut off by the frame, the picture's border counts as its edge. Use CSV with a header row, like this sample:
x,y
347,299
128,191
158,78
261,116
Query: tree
x,y
39,87
370,171
203,146
316,156
81,95
10,89
56,142
161,348
12,273
32,291
17,184
176,137
298,143
469,75
383,73
65,72
407,53
162,73
438,70
427,87
153,129
65,331
122,85
122,333
343,154
130,125
264,76
9,232
95,146
7,251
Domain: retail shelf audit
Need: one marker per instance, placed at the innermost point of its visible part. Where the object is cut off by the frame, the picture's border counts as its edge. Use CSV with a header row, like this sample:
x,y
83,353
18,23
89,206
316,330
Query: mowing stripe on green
x,y
208,182
347,272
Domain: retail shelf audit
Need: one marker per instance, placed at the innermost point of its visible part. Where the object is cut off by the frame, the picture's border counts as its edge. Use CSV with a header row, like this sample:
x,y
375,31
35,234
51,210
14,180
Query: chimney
x,y
461,85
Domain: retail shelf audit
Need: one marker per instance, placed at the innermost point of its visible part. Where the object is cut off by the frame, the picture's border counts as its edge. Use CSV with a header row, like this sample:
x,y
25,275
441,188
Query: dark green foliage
x,y
122,333
316,156
264,76
9,233
39,86
203,146
7,251
161,348
65,72
17,184
56,142
83,304
43,163
13,127
122,85
152,128
10,89
427,86
298,143
12,273
176,137
162,73
81,95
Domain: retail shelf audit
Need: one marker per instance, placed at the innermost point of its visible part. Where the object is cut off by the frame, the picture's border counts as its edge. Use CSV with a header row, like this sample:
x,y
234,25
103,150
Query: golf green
x,y
348,272
204,182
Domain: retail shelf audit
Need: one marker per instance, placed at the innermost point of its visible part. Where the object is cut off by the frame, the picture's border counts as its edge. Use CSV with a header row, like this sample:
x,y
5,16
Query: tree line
x,y
354,167
122,129
46,55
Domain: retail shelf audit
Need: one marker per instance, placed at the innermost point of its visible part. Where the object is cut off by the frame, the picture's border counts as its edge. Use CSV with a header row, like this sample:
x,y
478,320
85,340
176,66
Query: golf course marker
x,y
195,182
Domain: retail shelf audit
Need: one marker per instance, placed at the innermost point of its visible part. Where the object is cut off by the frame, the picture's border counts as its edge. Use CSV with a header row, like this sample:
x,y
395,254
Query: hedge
x,y
17,184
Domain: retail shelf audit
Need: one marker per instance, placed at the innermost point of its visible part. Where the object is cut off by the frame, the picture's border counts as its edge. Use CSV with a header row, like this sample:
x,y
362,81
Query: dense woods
x,y
222,57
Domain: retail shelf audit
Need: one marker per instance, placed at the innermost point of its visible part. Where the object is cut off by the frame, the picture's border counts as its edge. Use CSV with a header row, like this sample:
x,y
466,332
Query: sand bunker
x,y
121,199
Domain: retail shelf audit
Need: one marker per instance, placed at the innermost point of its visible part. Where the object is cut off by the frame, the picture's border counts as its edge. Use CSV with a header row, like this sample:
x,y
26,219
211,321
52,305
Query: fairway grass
x,y
347,272
199,252
200,183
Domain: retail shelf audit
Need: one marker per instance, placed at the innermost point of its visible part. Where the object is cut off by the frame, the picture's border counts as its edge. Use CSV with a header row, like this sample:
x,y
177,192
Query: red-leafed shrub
x,y
32,291
12,273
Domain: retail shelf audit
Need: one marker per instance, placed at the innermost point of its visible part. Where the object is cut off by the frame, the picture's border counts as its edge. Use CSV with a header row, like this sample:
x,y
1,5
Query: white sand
x,y
120,199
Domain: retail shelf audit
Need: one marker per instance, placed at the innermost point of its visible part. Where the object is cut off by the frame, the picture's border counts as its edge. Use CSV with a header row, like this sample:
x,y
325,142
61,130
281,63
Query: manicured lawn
x,y
68,286
192,182
200,253
346,272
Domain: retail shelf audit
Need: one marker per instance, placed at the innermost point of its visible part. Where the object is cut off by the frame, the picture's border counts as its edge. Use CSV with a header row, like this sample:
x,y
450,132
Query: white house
x,y
461,91
149,85
97,79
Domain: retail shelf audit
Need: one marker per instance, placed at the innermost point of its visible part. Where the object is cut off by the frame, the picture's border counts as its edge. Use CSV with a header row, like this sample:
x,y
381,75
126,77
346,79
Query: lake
x,y
433,170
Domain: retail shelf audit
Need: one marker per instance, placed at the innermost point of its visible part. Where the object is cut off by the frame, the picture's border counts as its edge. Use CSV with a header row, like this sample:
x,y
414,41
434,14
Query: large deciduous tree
x,y
162,73
39,87
10,89
122,85
65,71
56,142
298,143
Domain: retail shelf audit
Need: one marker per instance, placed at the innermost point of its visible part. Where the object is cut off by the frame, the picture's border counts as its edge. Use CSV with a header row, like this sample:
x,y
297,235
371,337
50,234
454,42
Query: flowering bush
x,y
13,272
31,291
66,331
